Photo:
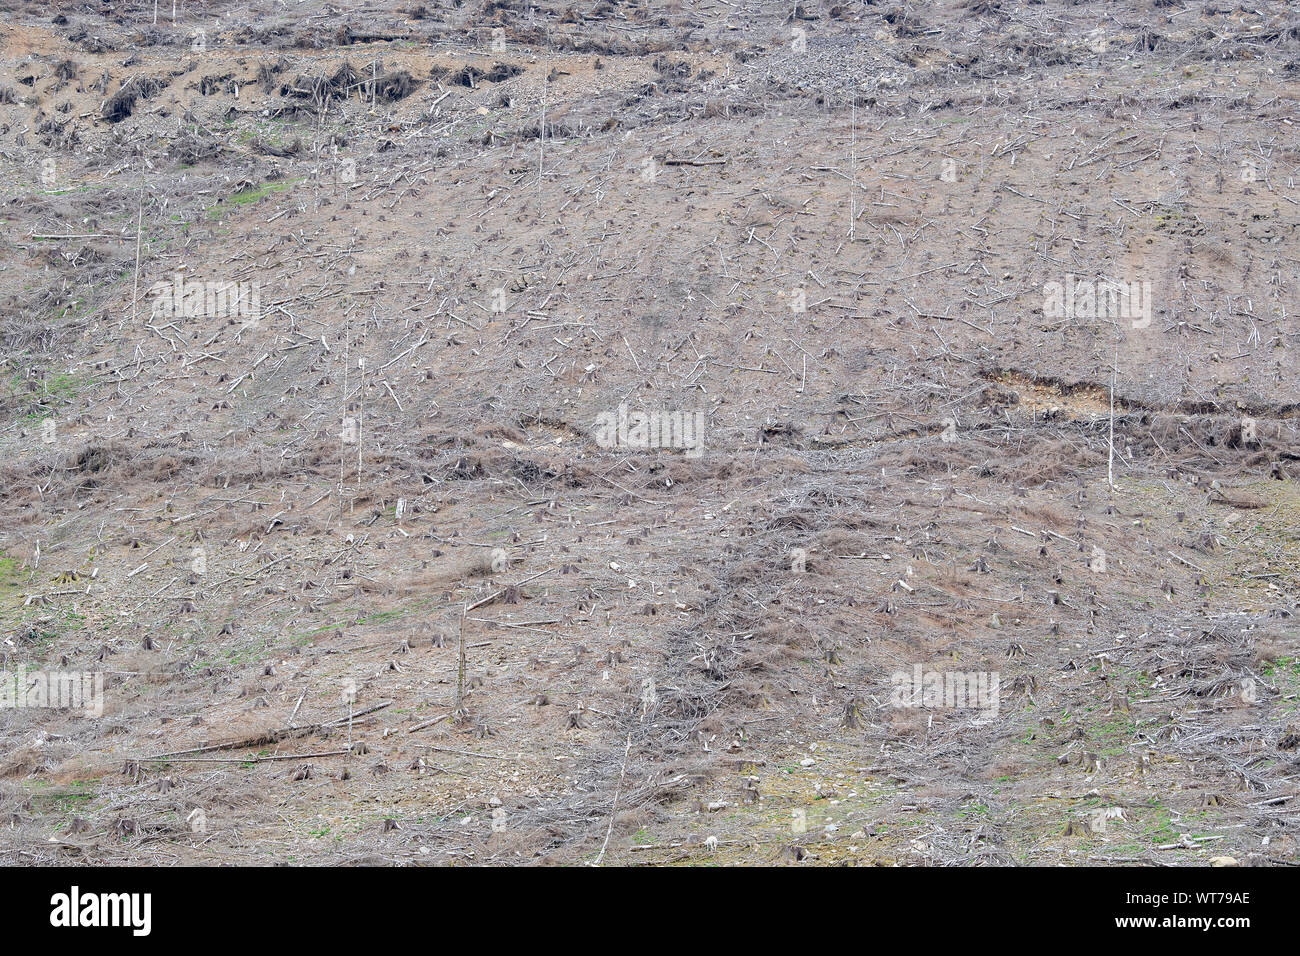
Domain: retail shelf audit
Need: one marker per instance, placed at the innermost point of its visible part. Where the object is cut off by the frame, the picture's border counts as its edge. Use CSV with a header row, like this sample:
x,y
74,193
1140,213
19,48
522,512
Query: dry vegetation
x,y
366,588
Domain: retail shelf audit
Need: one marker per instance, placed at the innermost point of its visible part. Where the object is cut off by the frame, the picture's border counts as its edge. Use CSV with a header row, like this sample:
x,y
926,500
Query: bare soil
x,y
366,588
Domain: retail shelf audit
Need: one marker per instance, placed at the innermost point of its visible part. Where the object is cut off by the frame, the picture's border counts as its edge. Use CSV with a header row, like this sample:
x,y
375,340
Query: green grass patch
x,y
246,197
